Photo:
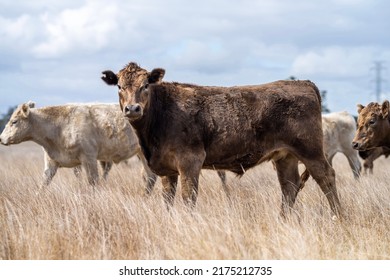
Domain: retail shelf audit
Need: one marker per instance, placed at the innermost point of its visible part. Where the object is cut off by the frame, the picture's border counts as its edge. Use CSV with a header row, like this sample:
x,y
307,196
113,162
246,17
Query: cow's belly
x,y
65,157
66,161
118,153
236,163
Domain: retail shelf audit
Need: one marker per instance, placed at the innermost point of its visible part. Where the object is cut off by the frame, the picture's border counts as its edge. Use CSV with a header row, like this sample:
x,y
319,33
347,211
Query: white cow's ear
x,y
359,108
26,109
385,109
31,104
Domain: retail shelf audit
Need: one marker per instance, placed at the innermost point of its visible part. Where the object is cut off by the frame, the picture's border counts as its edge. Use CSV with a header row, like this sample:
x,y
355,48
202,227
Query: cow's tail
x,y
304,177
317,91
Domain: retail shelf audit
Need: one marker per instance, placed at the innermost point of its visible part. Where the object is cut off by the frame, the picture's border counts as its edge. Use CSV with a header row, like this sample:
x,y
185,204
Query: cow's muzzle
x,y
133,111
4,141
358,146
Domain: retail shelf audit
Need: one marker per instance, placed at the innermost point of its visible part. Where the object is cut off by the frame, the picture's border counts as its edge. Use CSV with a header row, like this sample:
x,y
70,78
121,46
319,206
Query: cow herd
x,y
178,129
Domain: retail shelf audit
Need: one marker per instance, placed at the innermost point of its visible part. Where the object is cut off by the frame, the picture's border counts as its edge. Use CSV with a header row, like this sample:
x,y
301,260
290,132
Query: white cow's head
x,y
18,127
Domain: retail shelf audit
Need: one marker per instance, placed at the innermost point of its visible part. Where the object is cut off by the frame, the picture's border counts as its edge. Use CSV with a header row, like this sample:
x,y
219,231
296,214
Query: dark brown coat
x,y
183,128
369,156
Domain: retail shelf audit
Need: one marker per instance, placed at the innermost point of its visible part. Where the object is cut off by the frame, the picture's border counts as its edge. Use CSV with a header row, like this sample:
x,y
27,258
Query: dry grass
x,y
117,221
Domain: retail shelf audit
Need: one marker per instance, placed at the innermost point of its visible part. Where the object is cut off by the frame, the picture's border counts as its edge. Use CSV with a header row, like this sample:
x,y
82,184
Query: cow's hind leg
x,y
324,175
355,165
289,179
90,166
169,186
106,167
354,162
222,176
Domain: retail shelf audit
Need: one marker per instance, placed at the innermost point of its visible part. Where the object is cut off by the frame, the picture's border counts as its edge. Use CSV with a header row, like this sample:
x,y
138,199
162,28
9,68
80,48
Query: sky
x,y
53,52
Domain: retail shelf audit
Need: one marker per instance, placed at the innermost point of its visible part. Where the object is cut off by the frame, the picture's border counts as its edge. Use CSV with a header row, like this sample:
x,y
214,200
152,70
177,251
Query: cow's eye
x,y
372,121
119,87
14,122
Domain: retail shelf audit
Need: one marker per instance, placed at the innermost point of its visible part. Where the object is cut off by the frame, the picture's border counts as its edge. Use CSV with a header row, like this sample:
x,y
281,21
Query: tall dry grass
x,y
69,220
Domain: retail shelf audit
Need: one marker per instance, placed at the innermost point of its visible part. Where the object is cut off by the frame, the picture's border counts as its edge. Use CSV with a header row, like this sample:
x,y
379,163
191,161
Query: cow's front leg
x,y
189,171
148,174
50,170
90,166
106,167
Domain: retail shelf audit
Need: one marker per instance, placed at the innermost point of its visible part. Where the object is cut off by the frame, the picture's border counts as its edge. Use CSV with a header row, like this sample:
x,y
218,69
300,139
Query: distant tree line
x,y
323,93
4,118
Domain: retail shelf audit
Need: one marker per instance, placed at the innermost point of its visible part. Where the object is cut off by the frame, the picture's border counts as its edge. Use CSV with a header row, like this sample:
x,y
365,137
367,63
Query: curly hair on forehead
x,y
373,106
131,72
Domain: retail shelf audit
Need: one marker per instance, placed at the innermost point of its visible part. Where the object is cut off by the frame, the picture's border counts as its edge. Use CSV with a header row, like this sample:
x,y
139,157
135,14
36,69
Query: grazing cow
x,y
76,134
183,128
369,156
373,128
339,129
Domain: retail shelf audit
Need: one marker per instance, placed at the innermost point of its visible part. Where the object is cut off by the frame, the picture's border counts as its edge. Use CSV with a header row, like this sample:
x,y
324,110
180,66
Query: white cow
x,y
338,130
76,134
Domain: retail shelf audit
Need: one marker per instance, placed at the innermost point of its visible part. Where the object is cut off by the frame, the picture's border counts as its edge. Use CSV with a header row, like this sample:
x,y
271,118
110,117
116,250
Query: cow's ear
x,y
110,78
359,108
385,109
31,104
25,109
156,75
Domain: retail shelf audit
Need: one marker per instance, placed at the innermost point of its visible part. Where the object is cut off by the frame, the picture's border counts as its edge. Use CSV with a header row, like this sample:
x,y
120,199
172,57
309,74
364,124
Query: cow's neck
x,y
149,129
386,141
45,130
142,131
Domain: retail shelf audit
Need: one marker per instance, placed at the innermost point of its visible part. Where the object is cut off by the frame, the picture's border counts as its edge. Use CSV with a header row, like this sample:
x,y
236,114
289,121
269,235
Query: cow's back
x,y
242,126
113,134
263,119
92,128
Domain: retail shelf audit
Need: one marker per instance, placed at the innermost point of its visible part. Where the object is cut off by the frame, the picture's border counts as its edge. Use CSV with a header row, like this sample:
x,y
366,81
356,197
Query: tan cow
x,y
339,129
183,128
76,134
373,128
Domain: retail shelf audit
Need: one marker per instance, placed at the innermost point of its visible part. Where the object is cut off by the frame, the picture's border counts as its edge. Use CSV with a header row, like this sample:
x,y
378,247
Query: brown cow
x,y
183,128
373,128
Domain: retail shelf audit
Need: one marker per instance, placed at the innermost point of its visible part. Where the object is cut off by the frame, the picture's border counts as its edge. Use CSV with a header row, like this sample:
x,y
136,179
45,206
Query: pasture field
x,y
68,220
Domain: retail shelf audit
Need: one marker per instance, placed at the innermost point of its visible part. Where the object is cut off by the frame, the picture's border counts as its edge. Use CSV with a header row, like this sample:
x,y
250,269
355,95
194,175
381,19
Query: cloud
x,y
334,63
87,28
17,33
54,52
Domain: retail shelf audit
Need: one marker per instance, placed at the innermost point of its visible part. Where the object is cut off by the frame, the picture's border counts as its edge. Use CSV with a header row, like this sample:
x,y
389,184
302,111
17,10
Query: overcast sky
x,y
53,52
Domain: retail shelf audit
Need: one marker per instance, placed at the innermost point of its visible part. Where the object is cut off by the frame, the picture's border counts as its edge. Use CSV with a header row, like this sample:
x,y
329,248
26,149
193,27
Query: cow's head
x,y
373,126
18,127
135,109
129,80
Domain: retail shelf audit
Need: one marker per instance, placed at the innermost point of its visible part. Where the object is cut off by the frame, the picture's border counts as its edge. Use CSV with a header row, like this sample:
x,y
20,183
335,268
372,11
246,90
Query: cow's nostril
x,y
137,108
127,109
355,145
